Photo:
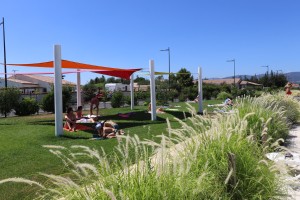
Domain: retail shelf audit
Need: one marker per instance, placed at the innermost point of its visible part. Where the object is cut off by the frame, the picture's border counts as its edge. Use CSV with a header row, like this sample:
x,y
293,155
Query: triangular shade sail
x,y
121,73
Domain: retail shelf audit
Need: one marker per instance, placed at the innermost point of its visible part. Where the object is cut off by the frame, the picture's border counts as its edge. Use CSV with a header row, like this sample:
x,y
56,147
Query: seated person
x,y
79,113
70,120
108,129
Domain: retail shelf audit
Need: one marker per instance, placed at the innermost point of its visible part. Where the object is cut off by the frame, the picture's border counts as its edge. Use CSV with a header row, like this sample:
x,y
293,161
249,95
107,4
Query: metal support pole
x,y
234,72
131,92
152,90
4,51
58,91
78,88
169,66
200,92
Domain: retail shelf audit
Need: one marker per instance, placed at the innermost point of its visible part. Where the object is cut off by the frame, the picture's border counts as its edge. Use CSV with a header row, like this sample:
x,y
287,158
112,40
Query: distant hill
x,y
293,77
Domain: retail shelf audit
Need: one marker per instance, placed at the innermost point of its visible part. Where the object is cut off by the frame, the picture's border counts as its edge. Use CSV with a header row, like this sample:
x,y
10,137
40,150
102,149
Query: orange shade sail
x,y
121,73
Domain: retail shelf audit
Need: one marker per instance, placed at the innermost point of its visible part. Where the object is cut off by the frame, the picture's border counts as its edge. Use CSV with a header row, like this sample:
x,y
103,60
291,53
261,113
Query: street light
x,y
233,60
168,50
5,75
267,66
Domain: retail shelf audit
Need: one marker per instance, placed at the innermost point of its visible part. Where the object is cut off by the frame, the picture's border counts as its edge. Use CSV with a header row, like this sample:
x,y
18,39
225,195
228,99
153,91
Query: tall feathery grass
x,y
190,163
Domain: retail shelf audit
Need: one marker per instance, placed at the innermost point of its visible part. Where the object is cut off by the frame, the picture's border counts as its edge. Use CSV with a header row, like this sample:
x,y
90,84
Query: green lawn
x,y
21,140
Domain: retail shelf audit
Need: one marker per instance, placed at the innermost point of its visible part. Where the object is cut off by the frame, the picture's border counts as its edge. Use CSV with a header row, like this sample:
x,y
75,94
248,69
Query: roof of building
x,y
250,83
228,81
47,79
20,81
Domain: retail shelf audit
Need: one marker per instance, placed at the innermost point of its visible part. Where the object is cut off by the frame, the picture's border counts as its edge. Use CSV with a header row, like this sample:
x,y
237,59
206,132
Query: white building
x,y
117,87
42,84
24,86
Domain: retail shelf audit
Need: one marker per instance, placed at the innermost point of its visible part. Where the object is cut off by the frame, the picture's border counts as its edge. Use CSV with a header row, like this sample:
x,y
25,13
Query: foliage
x,y
141,95
141,81
210,91
224,95
48,99
183,79
272,80
89,91
117,99
9,98
190,164
266,113
27,106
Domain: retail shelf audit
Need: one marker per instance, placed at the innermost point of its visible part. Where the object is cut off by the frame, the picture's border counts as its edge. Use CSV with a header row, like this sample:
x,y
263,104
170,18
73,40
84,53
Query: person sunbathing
x,y
108,129
158,110
228,102
70,118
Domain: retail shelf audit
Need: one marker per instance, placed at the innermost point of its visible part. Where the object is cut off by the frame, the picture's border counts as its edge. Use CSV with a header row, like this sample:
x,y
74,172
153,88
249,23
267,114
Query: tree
x,y
89,91
9,99
102,79
141,81
48,100
184,79
111,80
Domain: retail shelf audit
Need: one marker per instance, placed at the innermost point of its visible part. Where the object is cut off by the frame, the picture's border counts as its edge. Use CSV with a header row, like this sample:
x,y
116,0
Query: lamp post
x,y
267,66
168,50
233,60
4,50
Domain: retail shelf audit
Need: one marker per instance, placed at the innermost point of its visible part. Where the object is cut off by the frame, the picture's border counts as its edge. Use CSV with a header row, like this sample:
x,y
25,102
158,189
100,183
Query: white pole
x,y
78,88
200,93
58,91
131,91
152,90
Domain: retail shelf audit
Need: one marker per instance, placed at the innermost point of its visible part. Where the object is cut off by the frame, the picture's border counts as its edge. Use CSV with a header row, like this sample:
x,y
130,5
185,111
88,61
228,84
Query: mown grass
x,y
21,140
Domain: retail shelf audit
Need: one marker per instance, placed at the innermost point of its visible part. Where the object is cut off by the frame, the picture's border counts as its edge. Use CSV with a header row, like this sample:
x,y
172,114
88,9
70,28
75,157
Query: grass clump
x,y
273,113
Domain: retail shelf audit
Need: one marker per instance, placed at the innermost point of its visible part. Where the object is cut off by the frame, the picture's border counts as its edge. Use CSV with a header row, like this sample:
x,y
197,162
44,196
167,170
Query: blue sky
x,y
126,34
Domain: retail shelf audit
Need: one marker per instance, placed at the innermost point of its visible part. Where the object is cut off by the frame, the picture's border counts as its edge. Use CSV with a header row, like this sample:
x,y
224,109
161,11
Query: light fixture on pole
x,y
4,50
267,66
168,50
233,60
14,70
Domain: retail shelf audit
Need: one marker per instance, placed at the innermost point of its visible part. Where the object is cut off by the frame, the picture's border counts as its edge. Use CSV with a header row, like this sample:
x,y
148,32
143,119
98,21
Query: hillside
x,y
293,77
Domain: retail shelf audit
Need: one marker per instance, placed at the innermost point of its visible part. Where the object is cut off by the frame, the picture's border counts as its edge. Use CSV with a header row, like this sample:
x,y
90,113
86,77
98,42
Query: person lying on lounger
x,y
108,129
158,110
228,102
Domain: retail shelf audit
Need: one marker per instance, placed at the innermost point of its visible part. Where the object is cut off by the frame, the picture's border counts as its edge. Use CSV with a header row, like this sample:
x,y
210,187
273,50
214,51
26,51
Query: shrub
x,y
48,100
117,99
27,106
89,91
9,98
224,95
263,114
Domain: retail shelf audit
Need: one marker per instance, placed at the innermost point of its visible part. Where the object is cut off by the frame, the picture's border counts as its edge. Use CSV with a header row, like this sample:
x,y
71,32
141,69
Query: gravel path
x,y
293,182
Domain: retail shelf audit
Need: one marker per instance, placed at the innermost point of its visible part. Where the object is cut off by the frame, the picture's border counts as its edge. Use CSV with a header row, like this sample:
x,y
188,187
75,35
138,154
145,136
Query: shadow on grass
x,y
43,122
179,114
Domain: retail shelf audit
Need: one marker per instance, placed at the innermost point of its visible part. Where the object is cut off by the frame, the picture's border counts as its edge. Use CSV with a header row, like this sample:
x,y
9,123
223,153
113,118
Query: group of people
x,y
105,129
